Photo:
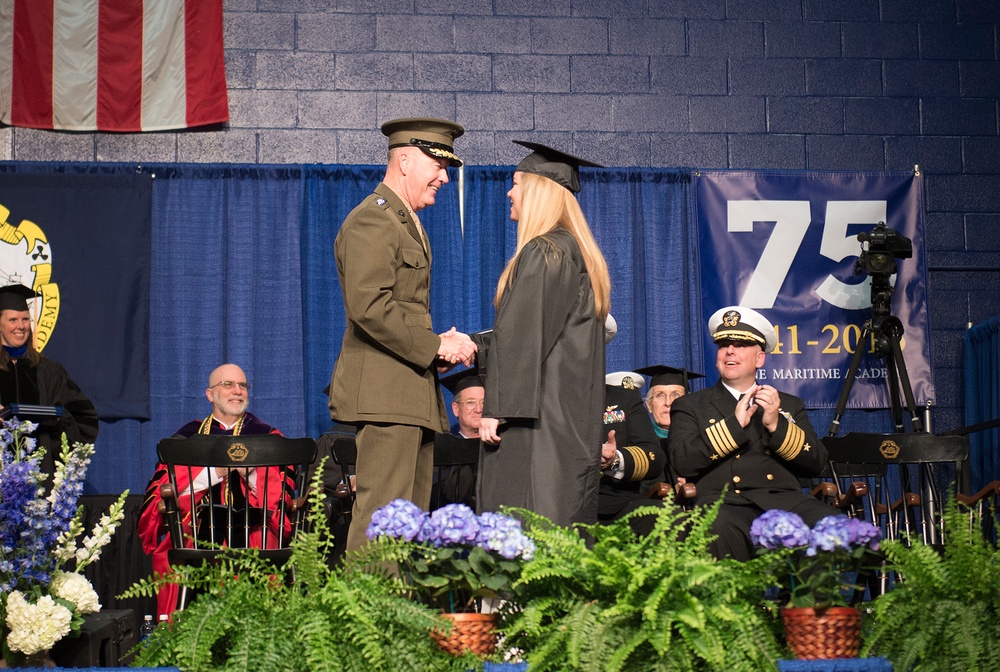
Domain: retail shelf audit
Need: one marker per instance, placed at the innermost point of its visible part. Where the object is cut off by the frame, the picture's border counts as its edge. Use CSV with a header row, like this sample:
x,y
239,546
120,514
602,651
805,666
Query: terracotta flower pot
x,y
470,632
812,634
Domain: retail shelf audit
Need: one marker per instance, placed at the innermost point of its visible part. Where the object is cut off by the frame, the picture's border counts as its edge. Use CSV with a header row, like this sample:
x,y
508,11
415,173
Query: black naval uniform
x,y
642,456
761,470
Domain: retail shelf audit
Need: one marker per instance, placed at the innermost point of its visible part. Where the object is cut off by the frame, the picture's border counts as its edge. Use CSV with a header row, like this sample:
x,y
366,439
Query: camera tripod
x,y
887,331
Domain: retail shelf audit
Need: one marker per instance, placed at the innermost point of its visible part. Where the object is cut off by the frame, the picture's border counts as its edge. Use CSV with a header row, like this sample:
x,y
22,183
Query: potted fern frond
x,y
600,598
943,612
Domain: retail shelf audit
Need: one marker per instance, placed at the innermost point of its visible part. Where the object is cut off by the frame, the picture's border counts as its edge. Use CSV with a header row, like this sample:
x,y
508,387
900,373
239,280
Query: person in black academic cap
x,y
544,359
457,484
745,438
385,381
666,385
467,392
28,377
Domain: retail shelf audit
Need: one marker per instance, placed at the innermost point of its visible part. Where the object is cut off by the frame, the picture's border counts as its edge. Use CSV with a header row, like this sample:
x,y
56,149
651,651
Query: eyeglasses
x,y
472,403
664,397
230,384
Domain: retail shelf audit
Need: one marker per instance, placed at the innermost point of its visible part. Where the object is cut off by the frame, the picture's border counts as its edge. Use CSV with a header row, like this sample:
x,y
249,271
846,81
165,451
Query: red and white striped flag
x,y
112,65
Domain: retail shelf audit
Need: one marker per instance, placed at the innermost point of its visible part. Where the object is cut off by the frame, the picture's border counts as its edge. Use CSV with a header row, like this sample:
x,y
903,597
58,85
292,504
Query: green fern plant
x,y
944,611
247,617
622,602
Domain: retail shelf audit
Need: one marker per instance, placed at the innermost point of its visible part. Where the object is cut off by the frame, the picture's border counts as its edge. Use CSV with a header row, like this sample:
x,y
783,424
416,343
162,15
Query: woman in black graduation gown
x,y
544,360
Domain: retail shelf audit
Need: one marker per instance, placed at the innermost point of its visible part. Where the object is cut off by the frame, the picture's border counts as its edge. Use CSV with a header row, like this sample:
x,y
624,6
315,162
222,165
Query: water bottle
x,y
147,627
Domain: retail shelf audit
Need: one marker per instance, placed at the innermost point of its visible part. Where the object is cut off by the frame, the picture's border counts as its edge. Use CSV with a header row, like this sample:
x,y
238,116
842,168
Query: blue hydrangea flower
x,y
779,529
503,535
864,533
831,533
400,519
454,524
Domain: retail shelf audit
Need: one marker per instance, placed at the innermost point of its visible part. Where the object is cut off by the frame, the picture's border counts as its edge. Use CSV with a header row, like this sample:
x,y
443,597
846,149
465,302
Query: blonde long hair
x,y
546,205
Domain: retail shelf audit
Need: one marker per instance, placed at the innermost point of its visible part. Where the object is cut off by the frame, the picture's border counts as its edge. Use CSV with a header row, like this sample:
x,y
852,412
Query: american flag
x,y
112,65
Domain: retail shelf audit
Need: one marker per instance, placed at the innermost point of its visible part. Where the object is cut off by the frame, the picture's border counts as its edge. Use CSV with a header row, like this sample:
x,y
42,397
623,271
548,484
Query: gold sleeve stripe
x,y
641,462
790,448
720,439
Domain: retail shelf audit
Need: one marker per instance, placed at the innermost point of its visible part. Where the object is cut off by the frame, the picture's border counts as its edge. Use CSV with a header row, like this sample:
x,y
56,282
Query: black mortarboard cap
x,y
669,375
464,379
560,167
15,297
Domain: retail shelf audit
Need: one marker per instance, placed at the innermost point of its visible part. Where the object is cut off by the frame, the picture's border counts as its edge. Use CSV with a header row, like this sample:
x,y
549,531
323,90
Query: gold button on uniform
x,y
736,491
736,479
770,477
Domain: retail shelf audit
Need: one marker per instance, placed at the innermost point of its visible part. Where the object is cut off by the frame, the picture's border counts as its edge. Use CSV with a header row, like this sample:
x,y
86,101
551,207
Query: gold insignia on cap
x,y
731,318
237,452
628,383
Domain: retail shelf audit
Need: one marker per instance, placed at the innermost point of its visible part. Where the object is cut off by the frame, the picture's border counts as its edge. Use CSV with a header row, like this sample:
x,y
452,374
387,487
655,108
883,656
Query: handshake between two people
x,y
456,348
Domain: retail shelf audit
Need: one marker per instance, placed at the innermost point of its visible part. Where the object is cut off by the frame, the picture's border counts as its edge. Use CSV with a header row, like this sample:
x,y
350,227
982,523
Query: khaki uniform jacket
x,y
385,372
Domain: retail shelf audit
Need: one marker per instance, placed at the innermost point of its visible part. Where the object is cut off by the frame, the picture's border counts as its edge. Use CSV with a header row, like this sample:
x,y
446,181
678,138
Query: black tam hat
x,y
669,375
560,167
15,297
463,380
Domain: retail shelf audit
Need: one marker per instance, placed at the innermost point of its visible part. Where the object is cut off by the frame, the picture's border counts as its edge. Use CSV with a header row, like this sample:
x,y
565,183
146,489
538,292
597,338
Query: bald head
x,y
228,393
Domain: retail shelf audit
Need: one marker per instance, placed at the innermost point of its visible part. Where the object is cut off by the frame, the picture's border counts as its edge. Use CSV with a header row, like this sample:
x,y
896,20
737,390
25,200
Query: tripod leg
x,y
852,373
892,380
904,379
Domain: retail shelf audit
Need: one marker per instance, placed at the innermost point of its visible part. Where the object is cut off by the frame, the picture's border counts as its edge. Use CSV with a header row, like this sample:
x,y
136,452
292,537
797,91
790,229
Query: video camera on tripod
x,y
878,260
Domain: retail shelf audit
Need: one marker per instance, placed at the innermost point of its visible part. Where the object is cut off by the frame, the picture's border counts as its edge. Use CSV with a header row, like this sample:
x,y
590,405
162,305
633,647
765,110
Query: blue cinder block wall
x,y
796,84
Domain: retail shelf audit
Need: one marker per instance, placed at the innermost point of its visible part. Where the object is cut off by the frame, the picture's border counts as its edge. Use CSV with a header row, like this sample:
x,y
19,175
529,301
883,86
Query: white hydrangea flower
x,y
76,588
35,627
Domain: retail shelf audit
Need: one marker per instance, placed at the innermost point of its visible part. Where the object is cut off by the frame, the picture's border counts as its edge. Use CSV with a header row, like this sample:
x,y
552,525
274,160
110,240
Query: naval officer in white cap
x,y
746,437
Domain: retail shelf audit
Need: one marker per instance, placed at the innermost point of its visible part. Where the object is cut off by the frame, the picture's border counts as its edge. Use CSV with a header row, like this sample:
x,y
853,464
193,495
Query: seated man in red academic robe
x,y
228,393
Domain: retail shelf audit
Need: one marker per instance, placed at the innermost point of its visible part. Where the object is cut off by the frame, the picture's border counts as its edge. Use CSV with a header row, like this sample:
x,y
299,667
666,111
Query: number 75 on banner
x,y
792,219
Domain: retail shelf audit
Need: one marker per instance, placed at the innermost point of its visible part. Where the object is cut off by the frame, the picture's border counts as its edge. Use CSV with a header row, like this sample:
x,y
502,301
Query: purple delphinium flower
x,y
503,535
450,525
400,519
779,529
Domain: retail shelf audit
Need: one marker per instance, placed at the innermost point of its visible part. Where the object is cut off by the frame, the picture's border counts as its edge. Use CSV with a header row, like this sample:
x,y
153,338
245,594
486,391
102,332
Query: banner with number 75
x,y
786,244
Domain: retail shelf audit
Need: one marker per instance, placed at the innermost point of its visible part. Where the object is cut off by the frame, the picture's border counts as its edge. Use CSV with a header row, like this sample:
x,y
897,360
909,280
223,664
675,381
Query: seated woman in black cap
x,y
28,377
544,360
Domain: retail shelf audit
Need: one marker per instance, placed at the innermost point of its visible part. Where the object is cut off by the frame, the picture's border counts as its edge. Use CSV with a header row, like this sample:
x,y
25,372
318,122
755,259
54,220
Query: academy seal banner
x,y
83,243
786,244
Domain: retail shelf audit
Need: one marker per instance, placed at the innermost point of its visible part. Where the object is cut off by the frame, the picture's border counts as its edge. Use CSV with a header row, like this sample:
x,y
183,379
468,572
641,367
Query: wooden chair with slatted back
x,y
899,482
232,492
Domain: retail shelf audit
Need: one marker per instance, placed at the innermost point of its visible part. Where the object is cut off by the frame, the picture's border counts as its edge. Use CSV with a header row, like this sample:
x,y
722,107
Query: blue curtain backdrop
x,y
242,270
982,399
